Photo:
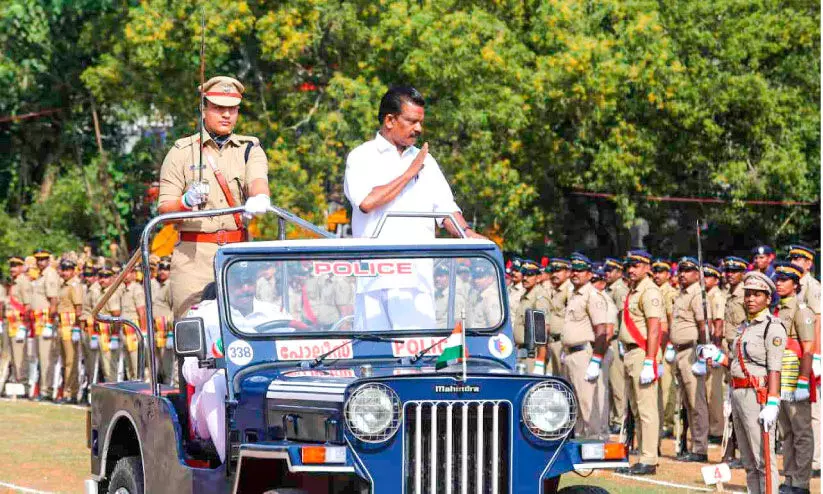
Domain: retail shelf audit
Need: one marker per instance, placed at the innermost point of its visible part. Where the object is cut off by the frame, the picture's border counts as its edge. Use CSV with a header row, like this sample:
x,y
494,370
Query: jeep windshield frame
x,y
360,253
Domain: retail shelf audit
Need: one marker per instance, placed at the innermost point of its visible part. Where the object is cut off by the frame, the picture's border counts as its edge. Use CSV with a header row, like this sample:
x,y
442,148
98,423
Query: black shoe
x,y
715,439
799,490
667,434
614,429
785,489
816,473
694,458
734,464
623,470
642,469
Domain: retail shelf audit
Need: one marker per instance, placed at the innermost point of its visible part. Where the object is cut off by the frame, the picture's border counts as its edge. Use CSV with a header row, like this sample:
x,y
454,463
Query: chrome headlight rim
x,y
527,405
394,423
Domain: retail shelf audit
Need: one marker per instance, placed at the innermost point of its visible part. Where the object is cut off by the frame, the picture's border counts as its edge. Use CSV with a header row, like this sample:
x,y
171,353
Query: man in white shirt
x,y
389,174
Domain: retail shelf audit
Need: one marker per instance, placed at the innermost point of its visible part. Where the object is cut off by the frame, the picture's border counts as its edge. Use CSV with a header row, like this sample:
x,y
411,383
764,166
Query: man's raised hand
x,y
417,163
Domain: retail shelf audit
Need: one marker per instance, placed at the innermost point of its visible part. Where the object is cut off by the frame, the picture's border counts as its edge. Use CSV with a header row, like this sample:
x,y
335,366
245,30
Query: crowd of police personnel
x,y
632,336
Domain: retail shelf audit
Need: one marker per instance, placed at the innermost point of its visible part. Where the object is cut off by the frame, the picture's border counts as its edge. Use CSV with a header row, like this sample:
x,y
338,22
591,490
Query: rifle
x,y
627,429
703,296
727,445
201,91
679,425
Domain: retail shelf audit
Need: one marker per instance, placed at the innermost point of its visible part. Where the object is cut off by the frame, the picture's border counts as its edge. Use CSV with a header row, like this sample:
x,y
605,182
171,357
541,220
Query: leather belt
x,y
684,346
627,347
555,337
754,382
576,348
220,237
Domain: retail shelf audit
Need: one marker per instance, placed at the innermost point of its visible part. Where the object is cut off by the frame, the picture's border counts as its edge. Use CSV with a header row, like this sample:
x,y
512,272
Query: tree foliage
x,y
529,101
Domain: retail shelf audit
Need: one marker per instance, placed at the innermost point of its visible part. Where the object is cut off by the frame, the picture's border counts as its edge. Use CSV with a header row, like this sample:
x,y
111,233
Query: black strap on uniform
x,y
765,345
248,152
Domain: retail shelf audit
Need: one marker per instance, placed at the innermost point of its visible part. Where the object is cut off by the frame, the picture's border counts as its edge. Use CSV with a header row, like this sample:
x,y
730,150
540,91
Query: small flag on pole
x,y
455,350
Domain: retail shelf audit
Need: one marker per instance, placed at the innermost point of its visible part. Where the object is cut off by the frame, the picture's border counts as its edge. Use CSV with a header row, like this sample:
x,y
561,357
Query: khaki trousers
x,y
574,369
5,358
70,371
816,431
795,422
18,360
748,430
108,364
192,268
644,401
555,366
618,387
89,356
693,393
666,390
716,391
602,395
48,353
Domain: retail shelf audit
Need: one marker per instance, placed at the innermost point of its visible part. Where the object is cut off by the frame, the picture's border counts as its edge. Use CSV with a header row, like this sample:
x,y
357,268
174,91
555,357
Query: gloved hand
x,y
21,334
48,331
75,334
195,195
169,341
816,365
539,369
621,350
258,204
699,368
670,354
2,327
801,393
593,371
94,342
714,356
114,343
647,373
768,415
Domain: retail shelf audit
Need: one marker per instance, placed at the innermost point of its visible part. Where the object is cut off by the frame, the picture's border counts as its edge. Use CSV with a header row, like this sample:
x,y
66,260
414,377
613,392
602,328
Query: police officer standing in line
x,y
734,268
515,290
661,274
5,340
164,329
90,341
795,418
69,309
484,303
110,343
762,258
643,309
559,273
533,298
234,166
603,384
688,329
617,290
133,308
584,340
45,290
332,298
755,360
17,314
714,376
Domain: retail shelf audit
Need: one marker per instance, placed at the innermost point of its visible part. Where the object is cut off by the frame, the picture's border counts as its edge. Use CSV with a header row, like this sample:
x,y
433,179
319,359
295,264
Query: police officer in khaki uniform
x,y
234,167
515,289
69,309
755,361
163,327
109,336
560,271
795,418
603,384
17,314
45,291
331,297
584,341
484,300
133,308
5,340
643,309
90,339
266,289
617,290
533,298
661,274
715,389
734,268
688,329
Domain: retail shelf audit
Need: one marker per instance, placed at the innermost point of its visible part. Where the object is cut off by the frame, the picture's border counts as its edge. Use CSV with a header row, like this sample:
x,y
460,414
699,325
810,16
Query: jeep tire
x,y
582,489
127,477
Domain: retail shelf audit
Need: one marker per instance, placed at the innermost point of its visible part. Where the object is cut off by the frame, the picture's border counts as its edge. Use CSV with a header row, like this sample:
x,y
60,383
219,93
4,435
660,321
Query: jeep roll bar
x,y
144,252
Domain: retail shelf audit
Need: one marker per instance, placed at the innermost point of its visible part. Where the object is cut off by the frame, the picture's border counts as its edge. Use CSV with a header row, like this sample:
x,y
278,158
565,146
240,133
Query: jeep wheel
x,y
582,489
127,477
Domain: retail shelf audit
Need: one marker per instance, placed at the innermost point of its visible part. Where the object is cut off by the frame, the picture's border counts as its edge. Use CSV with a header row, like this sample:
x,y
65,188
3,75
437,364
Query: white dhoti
x,y
394,308
207,410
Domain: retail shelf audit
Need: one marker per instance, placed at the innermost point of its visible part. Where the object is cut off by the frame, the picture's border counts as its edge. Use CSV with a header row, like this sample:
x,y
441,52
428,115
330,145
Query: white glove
x,y
539,369
801,393
593,371
816,367
21,334
258,204
94,342
48,331
114,344
621,350
196,194
75,334
2,327
170,341
670,353
768,415
647,373
709,352
699,368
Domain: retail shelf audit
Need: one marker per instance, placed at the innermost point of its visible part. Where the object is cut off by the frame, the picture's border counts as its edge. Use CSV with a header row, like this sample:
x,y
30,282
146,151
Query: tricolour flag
x,y
454,352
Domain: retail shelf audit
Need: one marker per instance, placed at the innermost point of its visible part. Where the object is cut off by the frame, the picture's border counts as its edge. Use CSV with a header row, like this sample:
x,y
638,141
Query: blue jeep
x,y
333,383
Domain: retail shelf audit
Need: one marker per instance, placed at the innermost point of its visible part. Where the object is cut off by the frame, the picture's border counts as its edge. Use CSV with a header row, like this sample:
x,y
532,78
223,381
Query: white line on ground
x,y
660,482
23,489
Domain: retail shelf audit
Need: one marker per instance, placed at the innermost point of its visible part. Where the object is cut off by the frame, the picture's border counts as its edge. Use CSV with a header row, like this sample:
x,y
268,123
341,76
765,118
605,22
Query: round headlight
x,y
373,412
550,410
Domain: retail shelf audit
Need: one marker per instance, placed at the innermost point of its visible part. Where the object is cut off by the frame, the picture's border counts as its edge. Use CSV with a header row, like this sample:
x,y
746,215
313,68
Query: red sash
x,y
636,335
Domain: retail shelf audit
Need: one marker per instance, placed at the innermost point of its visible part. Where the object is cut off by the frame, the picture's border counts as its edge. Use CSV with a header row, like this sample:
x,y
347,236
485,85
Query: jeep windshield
x,y
362,295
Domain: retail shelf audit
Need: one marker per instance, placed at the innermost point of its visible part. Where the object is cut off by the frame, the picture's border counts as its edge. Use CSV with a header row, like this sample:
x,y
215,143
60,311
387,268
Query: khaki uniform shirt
x,y
266,290
131,298
21,289
179,170
797,318
688,312
328,295
762,342
45,287
558,299
484,308
161,300
669,293
585,309
536,299
113,303
611,309
71,295
618,291
645,302
717,303
91,295
810,292
441,307
734,312
515,292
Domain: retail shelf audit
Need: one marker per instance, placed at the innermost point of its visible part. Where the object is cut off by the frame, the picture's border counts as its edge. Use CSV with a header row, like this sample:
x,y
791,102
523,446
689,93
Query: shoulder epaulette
x,y
184,142
255,141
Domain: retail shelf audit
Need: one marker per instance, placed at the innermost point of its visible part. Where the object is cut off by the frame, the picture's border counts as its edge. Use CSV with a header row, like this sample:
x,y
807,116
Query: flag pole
x,y
463,342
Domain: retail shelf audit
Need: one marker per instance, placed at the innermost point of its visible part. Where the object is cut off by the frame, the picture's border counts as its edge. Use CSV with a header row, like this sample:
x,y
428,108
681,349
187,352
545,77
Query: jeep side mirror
x,y
534,331
190,338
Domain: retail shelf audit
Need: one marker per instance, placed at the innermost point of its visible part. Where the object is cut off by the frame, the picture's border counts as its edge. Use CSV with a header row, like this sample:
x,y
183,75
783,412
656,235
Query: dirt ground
x,y
43,450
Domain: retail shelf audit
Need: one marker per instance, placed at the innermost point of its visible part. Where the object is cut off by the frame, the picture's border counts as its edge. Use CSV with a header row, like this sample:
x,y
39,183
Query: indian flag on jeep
x,y
454,352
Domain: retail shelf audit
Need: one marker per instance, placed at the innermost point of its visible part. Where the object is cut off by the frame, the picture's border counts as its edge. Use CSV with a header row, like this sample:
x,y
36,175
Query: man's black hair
x,y
395,97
